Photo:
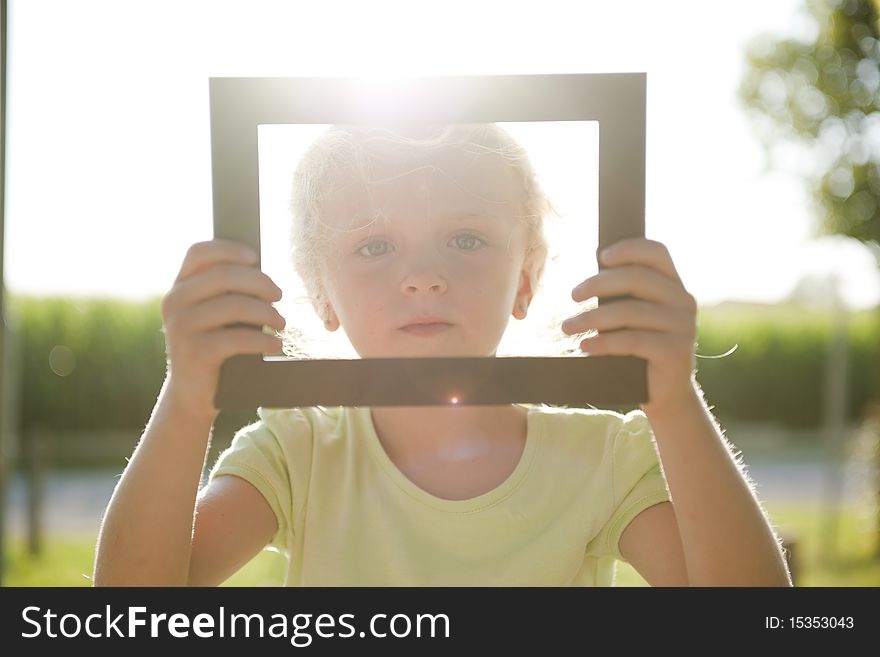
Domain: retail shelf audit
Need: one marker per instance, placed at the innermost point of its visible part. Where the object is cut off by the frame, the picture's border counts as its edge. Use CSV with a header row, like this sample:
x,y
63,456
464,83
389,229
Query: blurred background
x,y
763,180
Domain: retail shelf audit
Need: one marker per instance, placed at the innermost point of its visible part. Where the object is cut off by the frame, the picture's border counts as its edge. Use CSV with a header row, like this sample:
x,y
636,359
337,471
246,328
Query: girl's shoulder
x,y
590,433
620,445
300,420
591,420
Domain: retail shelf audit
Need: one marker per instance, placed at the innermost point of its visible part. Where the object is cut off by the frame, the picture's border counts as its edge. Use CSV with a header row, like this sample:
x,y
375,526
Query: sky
x,y
109,172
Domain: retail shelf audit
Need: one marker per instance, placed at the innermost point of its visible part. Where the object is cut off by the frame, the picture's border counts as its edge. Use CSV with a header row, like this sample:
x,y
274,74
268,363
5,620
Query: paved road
x,y
75,502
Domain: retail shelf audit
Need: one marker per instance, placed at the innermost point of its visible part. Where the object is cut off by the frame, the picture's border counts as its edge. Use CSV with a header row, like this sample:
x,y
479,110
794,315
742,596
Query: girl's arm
x,y
723,536
147,535
715,531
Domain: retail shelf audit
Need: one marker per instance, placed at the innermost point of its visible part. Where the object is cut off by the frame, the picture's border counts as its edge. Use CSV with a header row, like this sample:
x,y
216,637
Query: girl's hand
x,y
659,324
217,285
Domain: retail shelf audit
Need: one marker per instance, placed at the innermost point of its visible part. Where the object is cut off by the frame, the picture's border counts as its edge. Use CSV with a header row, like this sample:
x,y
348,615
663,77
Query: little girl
x,y
424,242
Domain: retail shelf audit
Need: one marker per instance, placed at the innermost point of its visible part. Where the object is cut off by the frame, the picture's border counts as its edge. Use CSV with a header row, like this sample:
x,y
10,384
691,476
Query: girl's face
x,y
433,239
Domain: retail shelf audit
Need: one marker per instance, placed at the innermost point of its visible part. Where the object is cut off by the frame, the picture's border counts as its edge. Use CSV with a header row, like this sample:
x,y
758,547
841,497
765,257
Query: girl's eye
x,y
468,242
464,241
371,252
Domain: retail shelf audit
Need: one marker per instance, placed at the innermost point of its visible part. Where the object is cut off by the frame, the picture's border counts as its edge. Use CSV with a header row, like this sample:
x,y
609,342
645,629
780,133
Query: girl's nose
x,y
423,277
417,287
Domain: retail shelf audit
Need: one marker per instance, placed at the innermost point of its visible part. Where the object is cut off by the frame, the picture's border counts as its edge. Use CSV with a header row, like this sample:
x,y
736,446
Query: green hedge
x,y
776,373
118,363
778,370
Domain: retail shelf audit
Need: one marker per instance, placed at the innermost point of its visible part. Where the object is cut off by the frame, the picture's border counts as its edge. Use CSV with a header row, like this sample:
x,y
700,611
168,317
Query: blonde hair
x,y
346,153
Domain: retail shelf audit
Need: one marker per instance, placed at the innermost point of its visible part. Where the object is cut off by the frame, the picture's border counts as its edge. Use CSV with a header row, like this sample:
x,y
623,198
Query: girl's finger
x,y
232,309
633,280
204,254
649,345
223,279
640,251
224,343
626,314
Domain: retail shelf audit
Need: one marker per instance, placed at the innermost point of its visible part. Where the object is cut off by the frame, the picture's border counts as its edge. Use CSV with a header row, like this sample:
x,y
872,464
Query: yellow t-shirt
x,y
347,516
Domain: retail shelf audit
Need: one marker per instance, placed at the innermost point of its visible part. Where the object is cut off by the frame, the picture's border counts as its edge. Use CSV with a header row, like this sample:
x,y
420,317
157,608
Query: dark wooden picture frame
x,y
615,100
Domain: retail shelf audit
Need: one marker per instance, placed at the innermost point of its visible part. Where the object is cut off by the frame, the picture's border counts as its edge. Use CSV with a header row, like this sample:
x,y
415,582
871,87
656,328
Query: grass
x,y
68,560
852,560
849,560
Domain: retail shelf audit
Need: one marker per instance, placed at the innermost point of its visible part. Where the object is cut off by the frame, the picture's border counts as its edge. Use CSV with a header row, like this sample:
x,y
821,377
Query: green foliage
x,y
87,364
777,372
824,96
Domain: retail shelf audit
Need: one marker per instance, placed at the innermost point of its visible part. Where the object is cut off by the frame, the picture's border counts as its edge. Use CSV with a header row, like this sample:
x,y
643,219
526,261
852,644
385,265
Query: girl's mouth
x,y
426,330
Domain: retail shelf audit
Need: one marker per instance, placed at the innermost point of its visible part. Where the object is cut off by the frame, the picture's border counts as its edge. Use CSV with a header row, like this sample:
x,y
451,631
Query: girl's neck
x,y
447,433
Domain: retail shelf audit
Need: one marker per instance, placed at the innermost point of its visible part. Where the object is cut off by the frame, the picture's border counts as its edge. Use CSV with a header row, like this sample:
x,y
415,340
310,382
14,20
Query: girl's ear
x,y
524,295
325,312
331,321
530,278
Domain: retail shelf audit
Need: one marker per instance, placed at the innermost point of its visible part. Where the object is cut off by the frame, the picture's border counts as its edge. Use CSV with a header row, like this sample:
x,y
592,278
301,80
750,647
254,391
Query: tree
x,y
823,98
819,95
